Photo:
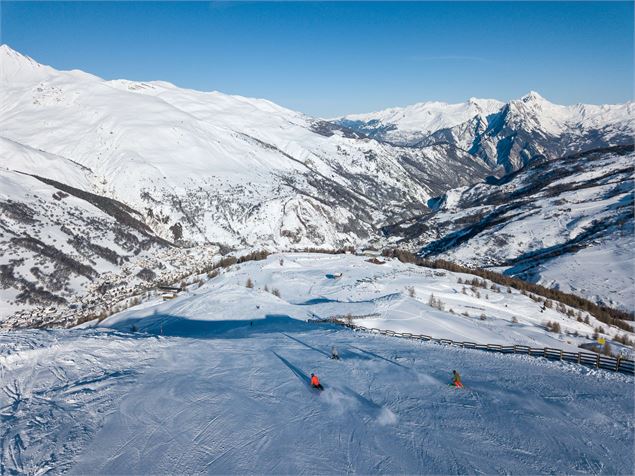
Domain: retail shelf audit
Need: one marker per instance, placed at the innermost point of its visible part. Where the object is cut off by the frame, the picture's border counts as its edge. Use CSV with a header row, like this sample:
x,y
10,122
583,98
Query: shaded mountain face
x,y
565,223
504,135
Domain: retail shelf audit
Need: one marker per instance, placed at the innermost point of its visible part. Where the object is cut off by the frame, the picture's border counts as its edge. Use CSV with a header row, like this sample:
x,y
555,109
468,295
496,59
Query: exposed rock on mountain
x,y
504,135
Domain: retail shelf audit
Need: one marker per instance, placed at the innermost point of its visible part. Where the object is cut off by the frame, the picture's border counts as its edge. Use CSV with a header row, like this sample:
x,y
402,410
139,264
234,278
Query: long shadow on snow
x,y
177,326
380,357
307,345
304,378
346,354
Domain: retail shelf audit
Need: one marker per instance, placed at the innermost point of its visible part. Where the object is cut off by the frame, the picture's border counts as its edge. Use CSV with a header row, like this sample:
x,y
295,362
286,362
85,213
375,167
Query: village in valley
x,y
171,270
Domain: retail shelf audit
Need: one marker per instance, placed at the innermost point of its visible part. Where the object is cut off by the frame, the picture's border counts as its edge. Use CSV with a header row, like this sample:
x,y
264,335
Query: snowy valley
x,y
565,223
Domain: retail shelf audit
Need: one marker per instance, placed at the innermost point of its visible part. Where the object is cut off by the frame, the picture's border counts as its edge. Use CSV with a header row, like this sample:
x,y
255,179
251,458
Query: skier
x,y
334,354
315,382
456,379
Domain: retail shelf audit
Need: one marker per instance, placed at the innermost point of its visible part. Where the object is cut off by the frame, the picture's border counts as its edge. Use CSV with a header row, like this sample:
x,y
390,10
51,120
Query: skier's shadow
x,y
304,378
380,357
306,345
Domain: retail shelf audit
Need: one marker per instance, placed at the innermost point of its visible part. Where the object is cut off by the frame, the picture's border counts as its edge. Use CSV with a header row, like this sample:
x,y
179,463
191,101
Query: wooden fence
x,y
616,364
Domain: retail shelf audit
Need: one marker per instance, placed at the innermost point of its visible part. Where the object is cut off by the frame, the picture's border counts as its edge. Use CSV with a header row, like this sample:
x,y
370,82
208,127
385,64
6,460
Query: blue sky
x,y
328,59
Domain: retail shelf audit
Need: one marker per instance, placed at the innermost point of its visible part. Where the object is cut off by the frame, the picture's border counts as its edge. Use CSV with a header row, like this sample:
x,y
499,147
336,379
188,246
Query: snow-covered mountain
x,y
184,167
208,167
505,135
117,183
565,223
63,248
411,124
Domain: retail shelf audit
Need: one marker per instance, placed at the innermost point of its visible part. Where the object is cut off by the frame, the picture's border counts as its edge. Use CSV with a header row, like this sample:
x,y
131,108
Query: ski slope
x,y
216,381
233,398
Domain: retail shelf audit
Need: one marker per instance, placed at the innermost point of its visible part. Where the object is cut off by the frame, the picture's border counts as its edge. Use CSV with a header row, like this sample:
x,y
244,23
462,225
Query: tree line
x,y
608,315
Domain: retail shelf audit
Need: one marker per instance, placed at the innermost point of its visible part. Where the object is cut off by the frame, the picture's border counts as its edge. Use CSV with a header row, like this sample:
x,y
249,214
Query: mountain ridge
x,y
506,135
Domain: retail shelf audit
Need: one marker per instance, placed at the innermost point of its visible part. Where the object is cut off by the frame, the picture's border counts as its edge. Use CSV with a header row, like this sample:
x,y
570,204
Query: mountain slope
x,y
57,241
506,136
219,168
565,223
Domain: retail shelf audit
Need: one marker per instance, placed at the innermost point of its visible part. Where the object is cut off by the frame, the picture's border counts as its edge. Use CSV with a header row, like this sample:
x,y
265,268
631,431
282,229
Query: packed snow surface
x,y
224,389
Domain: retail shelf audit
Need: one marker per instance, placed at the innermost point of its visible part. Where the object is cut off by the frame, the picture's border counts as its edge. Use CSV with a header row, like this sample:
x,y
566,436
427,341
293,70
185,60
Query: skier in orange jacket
x,y
315,382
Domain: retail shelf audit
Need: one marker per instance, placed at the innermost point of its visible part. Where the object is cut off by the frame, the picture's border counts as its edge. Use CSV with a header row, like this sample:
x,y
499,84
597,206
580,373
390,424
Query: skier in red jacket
x,y
315,382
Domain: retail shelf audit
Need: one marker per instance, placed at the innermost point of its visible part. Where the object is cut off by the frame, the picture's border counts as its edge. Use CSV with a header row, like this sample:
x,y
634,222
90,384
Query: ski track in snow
x,y
109,403
55,389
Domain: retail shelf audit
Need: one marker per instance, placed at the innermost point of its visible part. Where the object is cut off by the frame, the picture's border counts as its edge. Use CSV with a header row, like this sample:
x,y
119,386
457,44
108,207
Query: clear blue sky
x,y
328,59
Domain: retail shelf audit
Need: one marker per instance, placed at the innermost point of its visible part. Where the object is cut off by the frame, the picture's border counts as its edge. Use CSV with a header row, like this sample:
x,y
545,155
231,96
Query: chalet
x,y
168,292
169,289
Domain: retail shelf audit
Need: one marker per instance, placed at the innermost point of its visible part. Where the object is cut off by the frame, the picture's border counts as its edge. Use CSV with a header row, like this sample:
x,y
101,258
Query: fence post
x,y
560,354
617,363
579,357
597,361
544,352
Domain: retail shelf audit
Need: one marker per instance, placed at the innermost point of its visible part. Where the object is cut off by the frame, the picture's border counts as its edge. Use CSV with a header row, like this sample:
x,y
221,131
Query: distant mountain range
x,y
101,177
504,135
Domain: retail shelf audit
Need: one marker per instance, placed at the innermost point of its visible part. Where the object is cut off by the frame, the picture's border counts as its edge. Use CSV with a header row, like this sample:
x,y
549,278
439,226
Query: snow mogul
x,y
315,382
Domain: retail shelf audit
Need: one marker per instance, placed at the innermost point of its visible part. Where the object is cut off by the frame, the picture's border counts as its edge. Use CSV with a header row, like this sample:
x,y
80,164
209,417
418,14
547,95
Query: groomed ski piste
x,y
216,381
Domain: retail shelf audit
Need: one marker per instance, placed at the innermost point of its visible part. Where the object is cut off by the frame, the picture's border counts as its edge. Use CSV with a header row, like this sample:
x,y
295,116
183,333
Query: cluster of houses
x,y
114,292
